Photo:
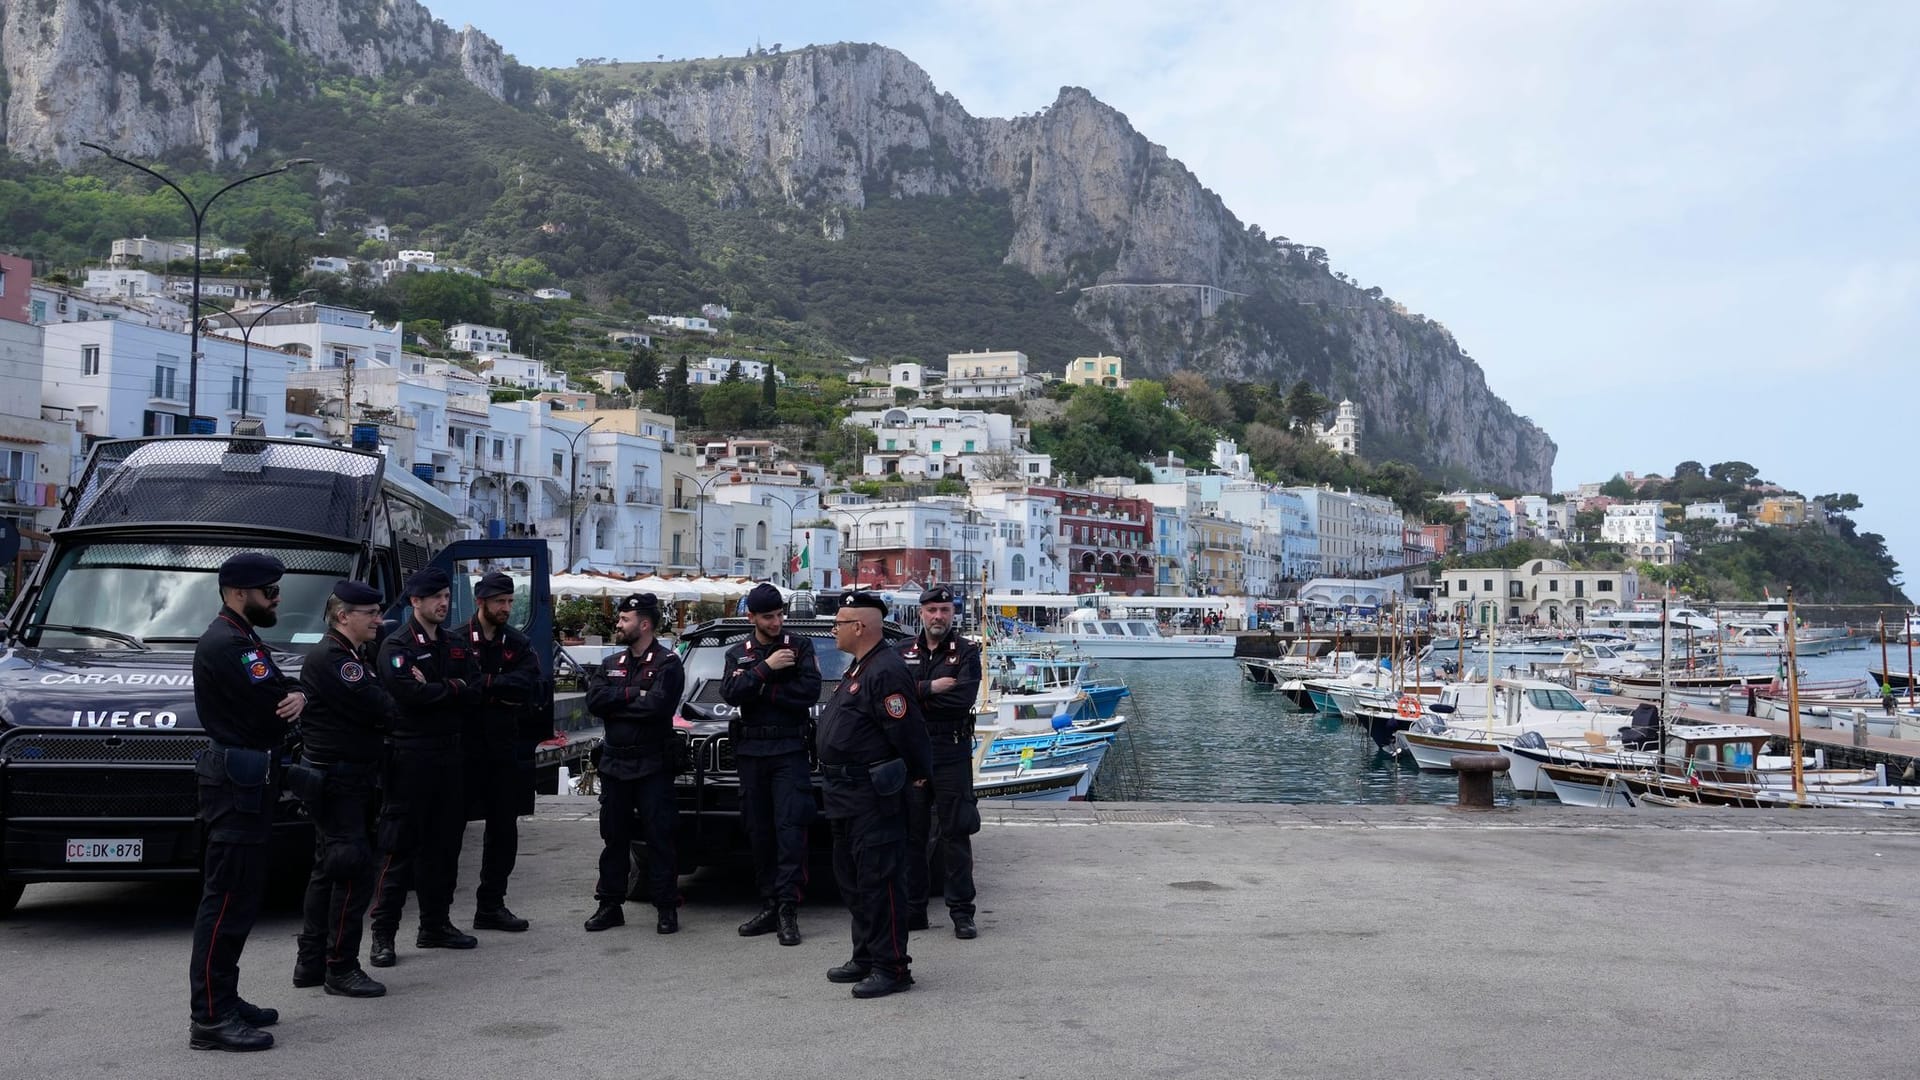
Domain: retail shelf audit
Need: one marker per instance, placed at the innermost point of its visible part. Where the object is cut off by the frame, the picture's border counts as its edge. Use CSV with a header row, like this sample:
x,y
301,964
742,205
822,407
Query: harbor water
x,y
1198,732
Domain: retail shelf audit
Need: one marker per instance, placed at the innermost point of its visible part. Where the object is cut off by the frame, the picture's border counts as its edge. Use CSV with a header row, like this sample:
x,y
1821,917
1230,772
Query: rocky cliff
x,y
1168,274
157,77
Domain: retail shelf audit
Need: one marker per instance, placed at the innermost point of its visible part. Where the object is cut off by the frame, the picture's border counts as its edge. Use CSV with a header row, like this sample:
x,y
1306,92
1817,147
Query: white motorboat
x,y
1131,639
1519,706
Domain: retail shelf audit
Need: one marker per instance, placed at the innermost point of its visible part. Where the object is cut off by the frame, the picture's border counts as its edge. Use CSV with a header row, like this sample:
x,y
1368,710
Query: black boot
x,y
669,921
309,973
254,1016
880,984
381,954
609,915
764,921
963,927
354,983
789,925
848,972
231,1033
444,935
498,919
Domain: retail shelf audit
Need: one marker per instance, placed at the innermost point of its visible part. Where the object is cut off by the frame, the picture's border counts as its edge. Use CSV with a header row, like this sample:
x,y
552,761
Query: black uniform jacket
x,y
950,713
237,686
440,705
510,697
775,706
348,713
635,697
874,716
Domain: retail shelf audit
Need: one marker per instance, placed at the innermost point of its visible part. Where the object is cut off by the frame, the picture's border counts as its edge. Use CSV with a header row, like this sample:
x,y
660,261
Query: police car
x,y
707,792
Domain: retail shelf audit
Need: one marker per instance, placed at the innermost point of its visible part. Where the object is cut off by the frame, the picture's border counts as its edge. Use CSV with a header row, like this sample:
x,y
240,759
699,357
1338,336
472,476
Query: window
x,y
1486,585
1553,585
740,542
19,464
600,533
89,359
39,311
760,535
1463,586
936,446
233,393
1603,585
499,449
163,378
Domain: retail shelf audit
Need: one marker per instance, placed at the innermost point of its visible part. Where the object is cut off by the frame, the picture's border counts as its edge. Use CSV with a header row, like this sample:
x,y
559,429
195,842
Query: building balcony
x,y
641,495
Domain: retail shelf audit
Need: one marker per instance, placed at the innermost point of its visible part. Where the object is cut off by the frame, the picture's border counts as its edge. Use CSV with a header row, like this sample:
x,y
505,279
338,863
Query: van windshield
x,y
165,593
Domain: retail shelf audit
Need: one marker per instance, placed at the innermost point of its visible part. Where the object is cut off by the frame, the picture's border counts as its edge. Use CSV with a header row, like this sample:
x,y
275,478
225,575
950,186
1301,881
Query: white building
x,y
1343,435
609,380
1634,523
1489,524
473,338
1715,512
1023,531
49,304
988,376
125,283
929,442
152,252
329,336
714,370
512,369
693,324
552,294
122,380
37,455
329,264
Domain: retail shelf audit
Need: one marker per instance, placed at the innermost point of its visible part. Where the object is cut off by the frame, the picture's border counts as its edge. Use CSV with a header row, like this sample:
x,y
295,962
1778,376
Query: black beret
x,y
250,570
643,602
494,584
428,580
353,592
864,599
938,594
765,598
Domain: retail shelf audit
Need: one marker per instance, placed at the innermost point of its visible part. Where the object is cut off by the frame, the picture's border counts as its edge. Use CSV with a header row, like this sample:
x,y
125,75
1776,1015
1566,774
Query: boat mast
x,y
1665,662
1886,673
1793,706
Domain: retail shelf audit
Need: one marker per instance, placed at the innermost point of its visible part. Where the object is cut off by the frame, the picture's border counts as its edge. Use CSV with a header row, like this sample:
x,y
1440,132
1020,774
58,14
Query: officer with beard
x,y
943,817
773,678
500,744
871,740
245,704
635,694
433,677
342,735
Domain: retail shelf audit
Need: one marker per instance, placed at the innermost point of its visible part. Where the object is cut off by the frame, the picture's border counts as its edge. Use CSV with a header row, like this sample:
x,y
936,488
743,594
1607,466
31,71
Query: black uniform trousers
x,y
236,805
941,820
494,787
776,801
340,888
421,828
869,863
651,797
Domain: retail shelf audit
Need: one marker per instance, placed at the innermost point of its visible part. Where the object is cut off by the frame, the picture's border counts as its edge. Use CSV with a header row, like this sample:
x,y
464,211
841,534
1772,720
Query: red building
x,y
16,282
1106,541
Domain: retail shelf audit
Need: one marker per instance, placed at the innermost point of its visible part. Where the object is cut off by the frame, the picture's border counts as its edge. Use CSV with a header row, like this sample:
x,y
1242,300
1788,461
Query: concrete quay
x,y
1136,940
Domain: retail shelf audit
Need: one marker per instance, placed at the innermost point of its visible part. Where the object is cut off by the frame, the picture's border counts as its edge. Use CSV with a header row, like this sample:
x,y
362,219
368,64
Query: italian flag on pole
x,y
804,559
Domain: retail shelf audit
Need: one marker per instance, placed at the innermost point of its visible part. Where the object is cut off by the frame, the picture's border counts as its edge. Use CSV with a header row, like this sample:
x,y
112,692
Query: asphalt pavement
x,y
1141,940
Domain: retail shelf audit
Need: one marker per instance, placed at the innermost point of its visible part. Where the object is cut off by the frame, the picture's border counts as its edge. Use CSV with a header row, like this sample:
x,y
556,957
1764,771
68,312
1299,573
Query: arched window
x,y
760,536
1019,568
600,532
1086,563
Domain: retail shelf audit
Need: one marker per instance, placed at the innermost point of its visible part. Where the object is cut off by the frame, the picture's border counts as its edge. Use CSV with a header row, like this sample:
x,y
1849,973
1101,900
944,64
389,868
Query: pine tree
x,y
643,370
769,391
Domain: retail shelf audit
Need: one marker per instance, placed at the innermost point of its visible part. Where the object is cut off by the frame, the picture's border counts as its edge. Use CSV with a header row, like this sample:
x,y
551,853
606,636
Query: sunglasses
x,y
271,592
846,622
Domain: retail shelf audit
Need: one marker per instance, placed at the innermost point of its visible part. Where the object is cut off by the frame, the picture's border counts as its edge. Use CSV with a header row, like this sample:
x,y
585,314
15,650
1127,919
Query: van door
x,y
530,564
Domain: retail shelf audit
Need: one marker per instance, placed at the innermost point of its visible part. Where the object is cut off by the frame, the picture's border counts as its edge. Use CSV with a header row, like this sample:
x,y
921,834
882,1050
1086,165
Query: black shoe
x,y
608,916
232,1034
444,936
848,972
669,921
764,921
916,920
308,973
498,919
254,1016
354,983
963,927
880,984
382,955
789,925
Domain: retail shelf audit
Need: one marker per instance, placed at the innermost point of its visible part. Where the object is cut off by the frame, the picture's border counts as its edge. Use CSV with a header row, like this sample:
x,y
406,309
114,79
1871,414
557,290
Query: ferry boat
x,y
1131,639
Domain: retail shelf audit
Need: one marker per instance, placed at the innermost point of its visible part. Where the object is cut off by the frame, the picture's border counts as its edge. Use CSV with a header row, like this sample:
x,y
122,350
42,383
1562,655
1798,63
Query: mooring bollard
x,y
1476,778
1859,727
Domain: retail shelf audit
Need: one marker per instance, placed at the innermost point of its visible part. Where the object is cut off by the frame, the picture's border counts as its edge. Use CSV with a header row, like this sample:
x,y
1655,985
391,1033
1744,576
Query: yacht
x,y
1131,639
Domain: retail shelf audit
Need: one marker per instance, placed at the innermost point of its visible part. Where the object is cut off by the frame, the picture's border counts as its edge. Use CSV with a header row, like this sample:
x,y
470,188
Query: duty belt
x,y
950,735
773,731
844,772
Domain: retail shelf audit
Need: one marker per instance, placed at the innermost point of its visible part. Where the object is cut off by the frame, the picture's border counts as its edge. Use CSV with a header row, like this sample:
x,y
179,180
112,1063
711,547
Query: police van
x,y
98,732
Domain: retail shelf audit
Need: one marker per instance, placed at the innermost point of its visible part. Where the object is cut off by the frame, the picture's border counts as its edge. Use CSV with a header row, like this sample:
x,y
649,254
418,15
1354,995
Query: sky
x,y
1666,232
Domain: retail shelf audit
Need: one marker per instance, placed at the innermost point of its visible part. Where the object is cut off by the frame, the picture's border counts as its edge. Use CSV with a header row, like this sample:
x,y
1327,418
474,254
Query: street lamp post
x,y
858,516
199,212
700,518
246,340
573,488
791,506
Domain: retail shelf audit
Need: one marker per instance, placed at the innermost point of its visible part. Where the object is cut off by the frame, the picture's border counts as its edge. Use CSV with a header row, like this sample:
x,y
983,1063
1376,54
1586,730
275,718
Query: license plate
x,y
105,850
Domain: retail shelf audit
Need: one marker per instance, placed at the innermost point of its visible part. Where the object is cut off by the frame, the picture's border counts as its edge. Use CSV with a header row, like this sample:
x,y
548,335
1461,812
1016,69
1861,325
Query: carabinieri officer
x,y
872,742
773,678
943,816
245,704
342,737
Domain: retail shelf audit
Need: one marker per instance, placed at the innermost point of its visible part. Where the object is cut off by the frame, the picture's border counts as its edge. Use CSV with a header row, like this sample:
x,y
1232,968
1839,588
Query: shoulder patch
x,y
399,661
257,669
896,705
352,672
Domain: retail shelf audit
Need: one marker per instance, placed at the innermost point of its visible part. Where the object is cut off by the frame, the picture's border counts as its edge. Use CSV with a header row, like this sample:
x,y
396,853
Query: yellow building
x,y
1104,371
1781,510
